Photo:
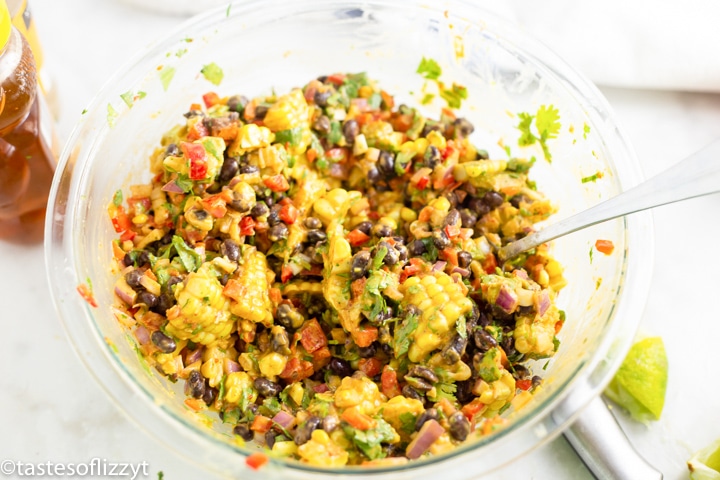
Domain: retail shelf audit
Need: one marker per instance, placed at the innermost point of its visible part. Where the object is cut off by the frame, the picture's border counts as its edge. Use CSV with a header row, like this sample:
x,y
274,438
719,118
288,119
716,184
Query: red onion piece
x,y
462,271
322,388
172,187
542,302
439,266
125,293
507,299
429,432
360,103
142,335
230,366
284,419
519,273
194,356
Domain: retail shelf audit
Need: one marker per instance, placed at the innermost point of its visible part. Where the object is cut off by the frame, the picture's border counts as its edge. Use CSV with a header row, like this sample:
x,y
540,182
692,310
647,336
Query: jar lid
x,y
5,24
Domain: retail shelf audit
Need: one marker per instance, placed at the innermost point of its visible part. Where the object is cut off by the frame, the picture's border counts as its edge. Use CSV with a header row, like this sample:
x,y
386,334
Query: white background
x,y
50,409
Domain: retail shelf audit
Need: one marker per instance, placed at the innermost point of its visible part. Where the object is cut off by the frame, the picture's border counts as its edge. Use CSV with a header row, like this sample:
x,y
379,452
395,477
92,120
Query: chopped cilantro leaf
x,y
368,441
548,121
166,76
547,125
118,198
212,73
161,475
445,390
461,327
454,96
431,251
335,132
374,101
111,115
591,254
378,259
427,98
586,130
227,11
429,69
407,422
292,136
403,335
190,259
592,177
127,97
184,182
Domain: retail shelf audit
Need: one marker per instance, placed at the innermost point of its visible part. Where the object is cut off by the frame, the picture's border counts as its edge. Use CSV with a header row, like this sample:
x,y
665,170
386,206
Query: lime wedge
x,y
640,383
705,464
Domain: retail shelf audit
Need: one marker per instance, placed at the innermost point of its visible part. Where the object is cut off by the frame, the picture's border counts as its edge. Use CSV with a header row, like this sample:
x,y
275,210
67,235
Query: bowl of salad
x,y
273,240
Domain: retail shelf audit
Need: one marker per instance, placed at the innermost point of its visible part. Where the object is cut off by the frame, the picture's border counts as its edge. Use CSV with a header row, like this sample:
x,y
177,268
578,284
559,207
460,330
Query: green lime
x,y
640,383
705,464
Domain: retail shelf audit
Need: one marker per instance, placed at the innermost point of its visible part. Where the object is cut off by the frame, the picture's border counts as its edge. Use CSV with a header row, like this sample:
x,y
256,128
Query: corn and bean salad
x,y
317,267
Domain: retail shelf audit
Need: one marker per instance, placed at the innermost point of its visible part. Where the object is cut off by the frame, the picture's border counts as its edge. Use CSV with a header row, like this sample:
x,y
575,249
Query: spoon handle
x,y
695,176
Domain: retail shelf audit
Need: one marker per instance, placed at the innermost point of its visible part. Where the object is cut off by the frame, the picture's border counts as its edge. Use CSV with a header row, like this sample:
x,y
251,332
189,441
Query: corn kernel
x,y
272,364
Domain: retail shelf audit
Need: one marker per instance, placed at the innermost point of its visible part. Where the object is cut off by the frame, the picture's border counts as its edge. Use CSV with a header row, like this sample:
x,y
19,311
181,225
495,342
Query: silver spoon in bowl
x,y
695,176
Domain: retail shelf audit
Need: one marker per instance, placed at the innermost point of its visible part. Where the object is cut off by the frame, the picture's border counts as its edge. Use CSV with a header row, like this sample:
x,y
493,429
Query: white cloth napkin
x,y
660,44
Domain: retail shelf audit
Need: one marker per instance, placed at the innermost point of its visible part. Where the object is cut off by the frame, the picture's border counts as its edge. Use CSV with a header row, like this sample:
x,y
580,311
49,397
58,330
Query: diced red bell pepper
x,y
312,336
235,290
389,382
297,370
210,99
275,295
87,295
311,154
277,183
388,99
472,409
215,205
321,357
370,366
357,237
128,235
257,460
422,183
261,424
523,384
449,255
452,231
197,130
357,419
365,336
288,213
489,264
195,153
336,78
247,226
604,246
121,221
337,154
286,273
139,205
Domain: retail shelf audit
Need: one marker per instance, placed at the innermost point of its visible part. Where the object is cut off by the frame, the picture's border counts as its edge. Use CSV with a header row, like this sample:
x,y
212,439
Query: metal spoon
x,y
697,175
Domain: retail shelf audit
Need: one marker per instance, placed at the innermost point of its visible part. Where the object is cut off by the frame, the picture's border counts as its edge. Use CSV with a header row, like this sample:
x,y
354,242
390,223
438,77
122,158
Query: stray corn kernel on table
x,y
62,415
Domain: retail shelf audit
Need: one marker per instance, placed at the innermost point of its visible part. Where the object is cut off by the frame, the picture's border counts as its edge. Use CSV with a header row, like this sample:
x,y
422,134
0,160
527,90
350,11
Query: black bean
x,y
248,169
266,388
402,252
520,371
386,164
464,391
195,384
278,232
432,156
440,239
430,126
367,352
163,342
350,131
127,260
314,255
280,340
230,249
477,361
315,236
270,438
452,218
321,98
416,248
164,303
463,128
468,218
261,111
199,214
172,150
459,426
464,259
340,367
493,199
381,230
322,124
147,298
418,384
330,423
289,317
143,258
477,206
210,395
412,310
423,372
304,431
374,175
313,223
174,280
453,351
391,255
359,265
237,103
229,169
259,210
410,392
224,279
429,414
364,227
133,278
167,238
273,217
243,430
536,381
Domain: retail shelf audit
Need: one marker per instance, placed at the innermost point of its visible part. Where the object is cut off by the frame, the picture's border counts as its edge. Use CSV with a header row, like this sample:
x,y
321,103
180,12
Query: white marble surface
x,y
50,409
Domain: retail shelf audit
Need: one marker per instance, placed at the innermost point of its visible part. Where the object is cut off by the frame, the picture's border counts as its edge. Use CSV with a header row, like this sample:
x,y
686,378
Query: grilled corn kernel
x,y
253,302
237,385
272,364
204,312
250,137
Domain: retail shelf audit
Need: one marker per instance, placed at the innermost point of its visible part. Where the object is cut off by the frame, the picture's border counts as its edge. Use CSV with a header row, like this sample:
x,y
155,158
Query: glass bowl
x,y
280,44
